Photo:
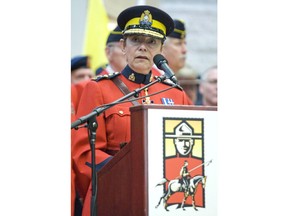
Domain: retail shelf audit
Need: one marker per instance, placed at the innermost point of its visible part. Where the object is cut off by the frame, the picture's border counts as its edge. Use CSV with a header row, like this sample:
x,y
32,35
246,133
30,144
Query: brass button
x,y
121,112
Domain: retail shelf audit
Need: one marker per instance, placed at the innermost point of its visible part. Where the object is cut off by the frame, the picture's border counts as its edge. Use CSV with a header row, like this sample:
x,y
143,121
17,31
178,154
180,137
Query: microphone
x,y
162,64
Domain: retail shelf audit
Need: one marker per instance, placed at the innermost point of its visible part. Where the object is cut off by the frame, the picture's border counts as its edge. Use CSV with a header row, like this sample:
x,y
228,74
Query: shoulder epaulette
x,y
100,69
170,83
106,76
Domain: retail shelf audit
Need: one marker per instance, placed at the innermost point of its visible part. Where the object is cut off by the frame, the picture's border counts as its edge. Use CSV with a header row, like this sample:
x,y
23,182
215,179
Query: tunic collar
x,y
136,77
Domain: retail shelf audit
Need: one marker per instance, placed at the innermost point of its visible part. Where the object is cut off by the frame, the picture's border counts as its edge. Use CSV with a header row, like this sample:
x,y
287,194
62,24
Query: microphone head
x,y
159,59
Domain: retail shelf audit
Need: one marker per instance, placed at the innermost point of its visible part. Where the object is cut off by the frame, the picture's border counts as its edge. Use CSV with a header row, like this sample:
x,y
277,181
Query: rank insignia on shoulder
x,y
167,101
106,76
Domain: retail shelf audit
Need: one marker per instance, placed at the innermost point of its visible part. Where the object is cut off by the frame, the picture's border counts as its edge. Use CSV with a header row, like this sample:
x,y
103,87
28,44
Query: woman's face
x,y
140,50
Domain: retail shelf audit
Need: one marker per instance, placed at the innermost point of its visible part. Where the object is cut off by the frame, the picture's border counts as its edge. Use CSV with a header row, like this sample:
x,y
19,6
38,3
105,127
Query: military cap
x,y
183,130
80,62
179,29
115,35
145,20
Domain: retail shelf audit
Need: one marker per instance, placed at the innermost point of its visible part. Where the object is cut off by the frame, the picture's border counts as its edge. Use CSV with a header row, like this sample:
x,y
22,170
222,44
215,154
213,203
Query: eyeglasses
x,y
150,42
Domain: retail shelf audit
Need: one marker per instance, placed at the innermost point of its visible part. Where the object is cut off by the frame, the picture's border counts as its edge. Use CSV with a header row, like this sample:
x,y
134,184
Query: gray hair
x,y
205,74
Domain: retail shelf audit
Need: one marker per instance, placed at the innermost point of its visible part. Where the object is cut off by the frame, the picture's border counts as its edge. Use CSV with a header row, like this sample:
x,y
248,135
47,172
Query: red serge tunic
x,y
114,123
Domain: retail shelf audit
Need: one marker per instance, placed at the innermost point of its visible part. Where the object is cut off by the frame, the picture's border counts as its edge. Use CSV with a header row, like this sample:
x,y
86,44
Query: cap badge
x,y
132,77
146,18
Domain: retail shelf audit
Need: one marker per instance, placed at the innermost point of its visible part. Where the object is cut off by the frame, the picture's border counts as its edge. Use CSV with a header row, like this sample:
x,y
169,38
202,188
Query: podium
x,y
131,184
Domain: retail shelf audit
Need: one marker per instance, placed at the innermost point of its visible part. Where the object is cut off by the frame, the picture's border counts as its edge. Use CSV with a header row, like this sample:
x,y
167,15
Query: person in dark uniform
x,y
175,47
144,31
80,69
114,54
175,51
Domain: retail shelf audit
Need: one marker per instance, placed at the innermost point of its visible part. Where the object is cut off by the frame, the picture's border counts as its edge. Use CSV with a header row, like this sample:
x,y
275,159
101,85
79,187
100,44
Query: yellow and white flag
x,y
96,33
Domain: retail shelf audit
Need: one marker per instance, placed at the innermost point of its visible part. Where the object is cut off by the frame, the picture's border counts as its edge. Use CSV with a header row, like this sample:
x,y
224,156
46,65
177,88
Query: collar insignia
x,y
132,77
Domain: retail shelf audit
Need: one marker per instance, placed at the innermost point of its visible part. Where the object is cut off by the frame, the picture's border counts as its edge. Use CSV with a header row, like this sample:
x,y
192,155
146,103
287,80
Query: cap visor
x,y
145,32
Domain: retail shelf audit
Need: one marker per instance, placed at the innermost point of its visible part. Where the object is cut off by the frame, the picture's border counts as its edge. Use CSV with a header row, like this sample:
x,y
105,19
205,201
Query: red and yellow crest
x,y
183,159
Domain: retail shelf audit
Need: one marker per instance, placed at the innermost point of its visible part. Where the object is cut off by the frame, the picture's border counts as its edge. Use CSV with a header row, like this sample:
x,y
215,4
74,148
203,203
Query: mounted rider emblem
x,y
184,177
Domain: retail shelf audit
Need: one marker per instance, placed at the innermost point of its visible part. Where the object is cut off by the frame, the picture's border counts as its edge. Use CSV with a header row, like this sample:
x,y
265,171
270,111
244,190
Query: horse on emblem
x,y
176,186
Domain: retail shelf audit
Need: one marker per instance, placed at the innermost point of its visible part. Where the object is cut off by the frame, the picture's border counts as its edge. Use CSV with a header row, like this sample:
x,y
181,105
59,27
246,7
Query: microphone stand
x,y
92,126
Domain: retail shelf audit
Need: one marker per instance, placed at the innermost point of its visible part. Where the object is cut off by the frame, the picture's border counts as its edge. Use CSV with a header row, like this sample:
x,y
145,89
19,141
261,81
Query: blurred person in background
x,y
175,47
175,50
80,69
189,84
80,73
114,54
208,87
188,79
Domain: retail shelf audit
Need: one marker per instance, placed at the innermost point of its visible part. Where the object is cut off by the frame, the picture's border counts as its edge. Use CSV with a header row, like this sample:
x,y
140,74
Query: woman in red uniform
x,y
144,31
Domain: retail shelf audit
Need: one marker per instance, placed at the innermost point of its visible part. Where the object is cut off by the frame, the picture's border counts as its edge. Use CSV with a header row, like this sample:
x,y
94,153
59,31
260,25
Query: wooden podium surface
x,y
122,183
